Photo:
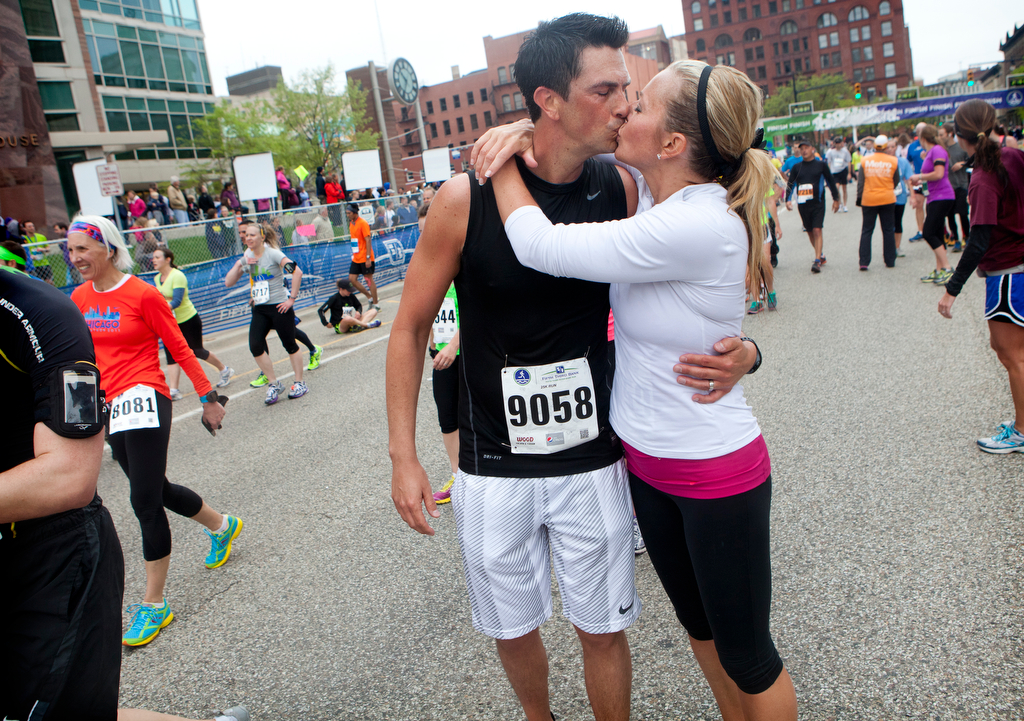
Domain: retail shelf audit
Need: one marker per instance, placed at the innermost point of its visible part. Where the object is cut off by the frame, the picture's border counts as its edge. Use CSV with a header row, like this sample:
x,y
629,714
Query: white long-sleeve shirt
x,y
678,273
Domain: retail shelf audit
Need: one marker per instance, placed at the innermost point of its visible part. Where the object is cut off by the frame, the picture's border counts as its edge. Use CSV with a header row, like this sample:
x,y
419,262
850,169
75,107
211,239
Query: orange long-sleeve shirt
x,y
125,323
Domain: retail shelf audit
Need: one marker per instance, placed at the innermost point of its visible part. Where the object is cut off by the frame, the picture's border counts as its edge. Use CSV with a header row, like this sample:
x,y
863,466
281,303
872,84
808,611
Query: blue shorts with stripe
x,y
1004,298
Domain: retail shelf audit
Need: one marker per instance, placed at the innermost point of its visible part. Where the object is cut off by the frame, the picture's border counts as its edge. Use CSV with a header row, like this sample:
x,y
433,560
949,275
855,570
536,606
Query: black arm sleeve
x,y
977,246
794,174
323,309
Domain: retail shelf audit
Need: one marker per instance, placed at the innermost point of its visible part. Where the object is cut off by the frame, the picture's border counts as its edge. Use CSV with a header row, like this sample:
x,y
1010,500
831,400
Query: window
x,y
743,14
775,49
433,130
805,43
858,13
698,25
833,39
869,73
714,21
865,33
757,11
460,126
787,66
512,72
46,51
785,6
788,28
456,101
785,47
827,20
884,9
773,7
759,52
761,74
854,35
869,53
443,104
888,50
823,40
473,124
858,75
751,35
727,17
157,60
823,61
487,119
517,99
701,45
695,8
506,103
872,92
723,40
732,59
837,60
778,68
855,53
469,97
56,98
887,28
430,107
502,75
799,4
748,55
890,70
798,65
39,18
890,90
483,95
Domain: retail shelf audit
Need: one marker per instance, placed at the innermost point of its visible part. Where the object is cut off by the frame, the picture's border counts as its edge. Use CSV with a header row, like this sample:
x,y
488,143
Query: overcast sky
x,y
433,36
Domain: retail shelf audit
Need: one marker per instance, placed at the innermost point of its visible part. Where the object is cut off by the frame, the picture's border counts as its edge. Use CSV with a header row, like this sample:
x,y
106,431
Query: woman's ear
x,y
674,145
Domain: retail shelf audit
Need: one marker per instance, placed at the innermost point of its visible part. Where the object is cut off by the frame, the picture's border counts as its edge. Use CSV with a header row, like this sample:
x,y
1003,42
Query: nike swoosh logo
x,y
622,611
591,197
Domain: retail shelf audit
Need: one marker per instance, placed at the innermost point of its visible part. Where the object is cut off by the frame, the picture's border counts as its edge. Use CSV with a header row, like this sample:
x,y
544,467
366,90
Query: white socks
x,y
223,527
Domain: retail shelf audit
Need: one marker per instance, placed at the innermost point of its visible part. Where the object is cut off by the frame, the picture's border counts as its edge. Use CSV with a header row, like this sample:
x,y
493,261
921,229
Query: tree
x,y
827,91
324,122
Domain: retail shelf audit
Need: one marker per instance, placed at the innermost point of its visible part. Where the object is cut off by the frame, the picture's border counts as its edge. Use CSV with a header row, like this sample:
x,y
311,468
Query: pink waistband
x,y
727,475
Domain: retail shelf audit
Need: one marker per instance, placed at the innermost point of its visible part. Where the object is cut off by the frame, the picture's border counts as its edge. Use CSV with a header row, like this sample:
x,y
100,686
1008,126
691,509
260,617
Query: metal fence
x,y
316,238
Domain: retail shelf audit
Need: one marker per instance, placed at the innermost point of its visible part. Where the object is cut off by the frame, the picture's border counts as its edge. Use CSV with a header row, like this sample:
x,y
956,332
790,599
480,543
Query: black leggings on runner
x,y
265,317
300,337
713,558
192,329
446,395
142,454
897,217
934,230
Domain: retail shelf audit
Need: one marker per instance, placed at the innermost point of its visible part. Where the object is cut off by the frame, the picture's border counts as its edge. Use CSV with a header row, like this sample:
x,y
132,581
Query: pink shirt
x,y
728,475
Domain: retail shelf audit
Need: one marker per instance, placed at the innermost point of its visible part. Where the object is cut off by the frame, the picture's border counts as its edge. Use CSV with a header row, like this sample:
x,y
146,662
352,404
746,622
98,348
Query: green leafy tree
x,y
827,91
324,122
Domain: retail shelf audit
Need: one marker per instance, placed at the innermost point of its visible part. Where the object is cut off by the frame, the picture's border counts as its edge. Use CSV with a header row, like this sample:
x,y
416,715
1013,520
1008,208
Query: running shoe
x,y
374,324
220,543
314,358
639,547
176,394
842,209
917,238
298,390
236,713
822,259
773,304
755,308
375,307
261,380
273,390
445,494
816,266
356,329
863,267
930,278
900,253
1007,440
943,276
146,623
225,376
958,247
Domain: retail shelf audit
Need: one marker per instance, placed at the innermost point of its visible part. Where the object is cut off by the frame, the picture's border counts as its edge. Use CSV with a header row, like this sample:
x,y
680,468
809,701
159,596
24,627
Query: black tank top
x,y
510,315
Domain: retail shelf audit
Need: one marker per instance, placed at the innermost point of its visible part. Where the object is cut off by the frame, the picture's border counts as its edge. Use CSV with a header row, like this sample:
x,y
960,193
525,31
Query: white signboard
x,y
437,166
90,198
362,169
256,177
109,176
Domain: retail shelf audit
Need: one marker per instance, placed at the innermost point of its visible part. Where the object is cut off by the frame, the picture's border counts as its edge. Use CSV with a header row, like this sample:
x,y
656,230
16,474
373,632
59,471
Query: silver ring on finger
x,y
711,386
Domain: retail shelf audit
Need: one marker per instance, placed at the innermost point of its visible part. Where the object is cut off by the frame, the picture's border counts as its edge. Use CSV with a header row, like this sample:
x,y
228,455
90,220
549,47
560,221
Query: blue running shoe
x,y
1007,440
146,623
220,543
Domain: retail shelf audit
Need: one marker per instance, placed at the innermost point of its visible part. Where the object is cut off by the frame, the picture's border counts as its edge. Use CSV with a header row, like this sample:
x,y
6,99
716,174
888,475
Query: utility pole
x,y
383,125
795,98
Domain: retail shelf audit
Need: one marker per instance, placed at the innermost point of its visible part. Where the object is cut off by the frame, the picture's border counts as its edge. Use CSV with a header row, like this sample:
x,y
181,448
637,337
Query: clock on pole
x,y
403,81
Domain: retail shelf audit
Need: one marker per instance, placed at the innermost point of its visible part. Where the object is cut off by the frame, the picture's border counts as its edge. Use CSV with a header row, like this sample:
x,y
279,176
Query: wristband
x,y
757,362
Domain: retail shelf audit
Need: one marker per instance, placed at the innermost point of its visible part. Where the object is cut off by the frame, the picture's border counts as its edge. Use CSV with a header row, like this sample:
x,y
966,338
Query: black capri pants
x,y
142,454
934,230
897,216
265,317
713,558
446,395
192,329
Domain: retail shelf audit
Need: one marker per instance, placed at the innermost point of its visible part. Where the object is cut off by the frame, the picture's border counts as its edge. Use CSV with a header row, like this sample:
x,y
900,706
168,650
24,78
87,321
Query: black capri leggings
x,y
713,558
265,317
898,216
446,395
935,222
192,329
142,454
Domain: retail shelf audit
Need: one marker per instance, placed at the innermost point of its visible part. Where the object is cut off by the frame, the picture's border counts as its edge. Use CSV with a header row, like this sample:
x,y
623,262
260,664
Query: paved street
x,y
897,545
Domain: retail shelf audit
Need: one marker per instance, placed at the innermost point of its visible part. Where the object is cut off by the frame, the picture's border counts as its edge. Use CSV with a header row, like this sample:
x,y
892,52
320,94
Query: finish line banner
x,y
890,112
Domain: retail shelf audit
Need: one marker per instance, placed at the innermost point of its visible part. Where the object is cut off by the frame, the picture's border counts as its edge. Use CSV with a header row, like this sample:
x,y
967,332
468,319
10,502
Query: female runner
x,y
941,199
173,285
126,316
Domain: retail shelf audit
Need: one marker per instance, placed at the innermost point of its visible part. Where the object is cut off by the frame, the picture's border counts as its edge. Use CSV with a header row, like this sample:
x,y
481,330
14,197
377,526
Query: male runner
x,y
915,154
838,159
362,255
538,463
807,179
346,311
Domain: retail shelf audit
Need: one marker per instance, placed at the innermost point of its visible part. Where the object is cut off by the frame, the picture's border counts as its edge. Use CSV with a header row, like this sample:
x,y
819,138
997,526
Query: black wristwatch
x,y
757,362
212,396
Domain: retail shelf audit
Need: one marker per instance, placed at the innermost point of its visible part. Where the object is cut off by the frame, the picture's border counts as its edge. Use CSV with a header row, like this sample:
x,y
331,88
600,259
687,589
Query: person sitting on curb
x,y
346,311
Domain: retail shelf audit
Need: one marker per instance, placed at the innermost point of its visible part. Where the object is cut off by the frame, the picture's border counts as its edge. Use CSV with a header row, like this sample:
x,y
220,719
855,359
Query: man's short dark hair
x,y
550,55
61,225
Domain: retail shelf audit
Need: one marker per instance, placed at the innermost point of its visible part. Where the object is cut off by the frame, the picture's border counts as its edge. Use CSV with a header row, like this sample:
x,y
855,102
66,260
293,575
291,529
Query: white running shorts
x,y
506,526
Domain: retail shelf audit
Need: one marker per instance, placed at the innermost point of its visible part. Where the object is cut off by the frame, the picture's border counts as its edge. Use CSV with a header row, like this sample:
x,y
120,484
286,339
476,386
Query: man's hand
x,y
946,305
726,370
958,166
286,306
213,414
789,205
499,144
410,489
835,206
444,358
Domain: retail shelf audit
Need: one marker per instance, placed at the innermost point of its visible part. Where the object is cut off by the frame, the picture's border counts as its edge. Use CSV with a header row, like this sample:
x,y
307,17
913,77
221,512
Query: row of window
x,y
456,102
411,136
786,67
859,12
58,106
176,13
124,56
861,34
177,117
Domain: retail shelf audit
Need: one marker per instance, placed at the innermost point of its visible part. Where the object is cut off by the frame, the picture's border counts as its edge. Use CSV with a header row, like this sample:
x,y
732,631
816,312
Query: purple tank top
x,y
938,189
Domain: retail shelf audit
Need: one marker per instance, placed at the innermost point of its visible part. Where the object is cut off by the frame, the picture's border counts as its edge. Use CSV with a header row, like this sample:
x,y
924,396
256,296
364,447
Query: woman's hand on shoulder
x,y
499,144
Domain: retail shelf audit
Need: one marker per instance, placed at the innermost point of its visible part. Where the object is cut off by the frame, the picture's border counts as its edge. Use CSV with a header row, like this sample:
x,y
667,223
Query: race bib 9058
x,y
549,408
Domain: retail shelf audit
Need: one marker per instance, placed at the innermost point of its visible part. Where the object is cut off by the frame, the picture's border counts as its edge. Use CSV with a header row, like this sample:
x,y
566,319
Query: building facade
x,y
775,41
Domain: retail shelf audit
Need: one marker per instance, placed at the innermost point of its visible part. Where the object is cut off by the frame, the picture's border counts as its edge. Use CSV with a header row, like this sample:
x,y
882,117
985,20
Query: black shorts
x,y
841,176
361,268
446,395
813,215
63,580
192,329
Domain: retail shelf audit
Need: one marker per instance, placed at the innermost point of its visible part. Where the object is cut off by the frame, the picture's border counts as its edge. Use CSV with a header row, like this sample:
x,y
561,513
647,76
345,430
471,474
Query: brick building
x,y
775,40
457,112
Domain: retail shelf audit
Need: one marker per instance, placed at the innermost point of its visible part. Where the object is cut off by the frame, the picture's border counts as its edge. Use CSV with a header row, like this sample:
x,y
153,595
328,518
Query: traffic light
x,y
856,91
970,78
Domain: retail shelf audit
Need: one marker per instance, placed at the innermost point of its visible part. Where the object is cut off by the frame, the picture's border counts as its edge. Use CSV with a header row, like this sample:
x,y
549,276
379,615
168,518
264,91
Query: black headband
x,y
722,166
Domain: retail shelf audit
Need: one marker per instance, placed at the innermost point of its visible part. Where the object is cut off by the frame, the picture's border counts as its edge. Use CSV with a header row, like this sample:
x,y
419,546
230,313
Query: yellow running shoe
x,y
445,494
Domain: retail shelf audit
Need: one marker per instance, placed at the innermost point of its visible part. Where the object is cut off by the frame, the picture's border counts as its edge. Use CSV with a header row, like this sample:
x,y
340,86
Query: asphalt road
x,y
897,545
